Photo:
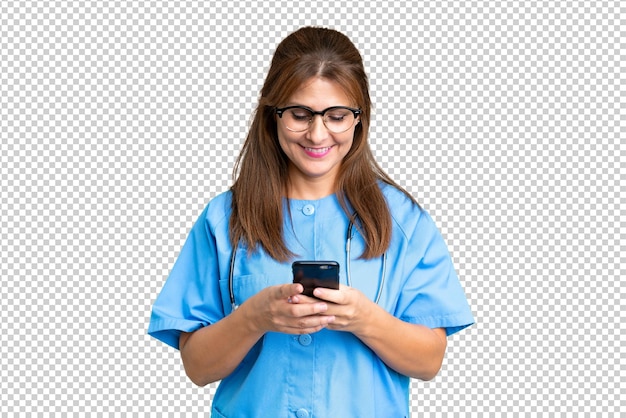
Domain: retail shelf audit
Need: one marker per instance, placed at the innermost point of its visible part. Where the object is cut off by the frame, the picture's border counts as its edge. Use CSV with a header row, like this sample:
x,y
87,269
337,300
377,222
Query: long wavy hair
x,y
261,170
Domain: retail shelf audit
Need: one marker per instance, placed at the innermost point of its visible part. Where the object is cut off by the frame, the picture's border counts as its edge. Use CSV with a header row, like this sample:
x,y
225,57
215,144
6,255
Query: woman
x,y
304,174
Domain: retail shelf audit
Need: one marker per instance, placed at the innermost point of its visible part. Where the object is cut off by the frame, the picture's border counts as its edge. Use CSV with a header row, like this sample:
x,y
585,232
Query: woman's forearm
x,y
413,350
213,352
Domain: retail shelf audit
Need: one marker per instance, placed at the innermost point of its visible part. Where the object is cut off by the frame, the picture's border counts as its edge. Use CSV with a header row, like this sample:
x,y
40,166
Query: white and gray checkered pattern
x,y
119,120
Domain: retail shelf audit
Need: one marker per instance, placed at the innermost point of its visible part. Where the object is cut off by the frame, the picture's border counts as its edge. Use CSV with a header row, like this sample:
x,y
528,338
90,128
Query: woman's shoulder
x,y
219,207
398,199
404,210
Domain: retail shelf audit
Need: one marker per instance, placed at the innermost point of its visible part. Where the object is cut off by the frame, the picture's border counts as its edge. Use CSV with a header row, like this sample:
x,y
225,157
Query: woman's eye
x,y
300,116
338,117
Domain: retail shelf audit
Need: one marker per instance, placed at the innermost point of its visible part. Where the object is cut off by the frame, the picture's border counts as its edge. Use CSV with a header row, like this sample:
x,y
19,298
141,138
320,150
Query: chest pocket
x,y
243,288
252,272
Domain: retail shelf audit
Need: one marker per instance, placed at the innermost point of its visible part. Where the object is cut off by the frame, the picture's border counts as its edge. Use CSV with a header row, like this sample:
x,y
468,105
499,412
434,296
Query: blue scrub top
x,y
328,373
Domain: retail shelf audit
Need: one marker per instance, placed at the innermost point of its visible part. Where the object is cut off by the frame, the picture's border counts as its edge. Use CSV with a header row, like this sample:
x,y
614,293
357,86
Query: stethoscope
x,y
381,282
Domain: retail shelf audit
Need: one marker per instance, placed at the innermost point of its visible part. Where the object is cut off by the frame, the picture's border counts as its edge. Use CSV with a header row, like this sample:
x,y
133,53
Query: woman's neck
x,y
310,189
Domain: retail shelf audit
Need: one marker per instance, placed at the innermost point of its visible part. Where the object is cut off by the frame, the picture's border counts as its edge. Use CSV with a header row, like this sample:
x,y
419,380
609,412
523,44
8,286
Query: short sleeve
x,y
190,297
432,295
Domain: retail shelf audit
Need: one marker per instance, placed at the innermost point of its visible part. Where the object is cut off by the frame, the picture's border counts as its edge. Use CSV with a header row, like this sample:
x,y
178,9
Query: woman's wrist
x,y
245,319
370,323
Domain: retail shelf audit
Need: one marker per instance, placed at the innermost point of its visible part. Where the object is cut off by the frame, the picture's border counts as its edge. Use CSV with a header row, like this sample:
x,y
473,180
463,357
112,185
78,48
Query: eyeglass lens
x,y
336,120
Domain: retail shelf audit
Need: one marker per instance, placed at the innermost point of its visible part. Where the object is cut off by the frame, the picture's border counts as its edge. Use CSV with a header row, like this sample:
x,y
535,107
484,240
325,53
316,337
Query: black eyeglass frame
x,y
280,111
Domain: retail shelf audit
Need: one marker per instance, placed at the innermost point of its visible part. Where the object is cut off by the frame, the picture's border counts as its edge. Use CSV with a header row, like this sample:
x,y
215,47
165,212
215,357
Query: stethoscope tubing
x,y
231,291
348,262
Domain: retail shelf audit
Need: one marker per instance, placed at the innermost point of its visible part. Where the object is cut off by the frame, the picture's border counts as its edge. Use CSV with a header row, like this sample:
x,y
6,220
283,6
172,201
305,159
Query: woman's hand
x,y
350,307
283,308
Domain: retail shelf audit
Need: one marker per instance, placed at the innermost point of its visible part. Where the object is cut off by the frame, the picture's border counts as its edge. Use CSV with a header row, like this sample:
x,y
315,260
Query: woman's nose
x,y
317,130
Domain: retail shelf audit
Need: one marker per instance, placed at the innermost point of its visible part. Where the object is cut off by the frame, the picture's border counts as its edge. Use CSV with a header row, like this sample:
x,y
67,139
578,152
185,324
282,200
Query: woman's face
x,y
316,154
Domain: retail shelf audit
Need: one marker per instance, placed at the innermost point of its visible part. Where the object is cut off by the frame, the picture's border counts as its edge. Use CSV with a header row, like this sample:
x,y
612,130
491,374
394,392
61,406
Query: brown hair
x,y
261,169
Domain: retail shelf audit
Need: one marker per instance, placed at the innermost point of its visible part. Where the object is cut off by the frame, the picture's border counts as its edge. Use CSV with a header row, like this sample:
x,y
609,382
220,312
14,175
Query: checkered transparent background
x,y
120,120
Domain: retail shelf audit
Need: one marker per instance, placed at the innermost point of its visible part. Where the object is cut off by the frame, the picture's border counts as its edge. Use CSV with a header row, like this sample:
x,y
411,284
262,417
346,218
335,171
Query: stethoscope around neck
x,y
381,282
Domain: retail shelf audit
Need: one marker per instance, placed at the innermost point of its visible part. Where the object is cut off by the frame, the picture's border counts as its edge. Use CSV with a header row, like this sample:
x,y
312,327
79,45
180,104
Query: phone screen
x,y
312,274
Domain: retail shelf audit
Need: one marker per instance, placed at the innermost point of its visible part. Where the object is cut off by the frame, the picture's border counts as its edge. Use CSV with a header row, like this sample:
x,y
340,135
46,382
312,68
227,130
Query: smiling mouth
x,y
317,151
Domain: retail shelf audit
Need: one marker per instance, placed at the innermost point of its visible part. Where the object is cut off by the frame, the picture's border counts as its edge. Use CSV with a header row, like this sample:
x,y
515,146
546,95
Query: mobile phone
x,y
312,274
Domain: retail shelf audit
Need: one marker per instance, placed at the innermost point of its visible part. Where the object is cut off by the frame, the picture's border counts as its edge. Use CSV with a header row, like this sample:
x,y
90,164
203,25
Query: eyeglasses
x,y
337,119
